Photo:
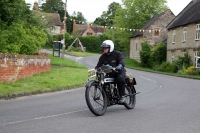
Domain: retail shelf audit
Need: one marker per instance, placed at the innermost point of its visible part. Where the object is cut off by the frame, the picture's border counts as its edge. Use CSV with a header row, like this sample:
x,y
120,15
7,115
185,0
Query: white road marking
x,y
39,118
148,79
78,58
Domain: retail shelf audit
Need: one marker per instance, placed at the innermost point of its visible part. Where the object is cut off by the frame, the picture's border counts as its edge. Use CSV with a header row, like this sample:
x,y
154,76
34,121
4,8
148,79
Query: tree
x,y
19,29
136,13
14,11
107,16
52,6
78,16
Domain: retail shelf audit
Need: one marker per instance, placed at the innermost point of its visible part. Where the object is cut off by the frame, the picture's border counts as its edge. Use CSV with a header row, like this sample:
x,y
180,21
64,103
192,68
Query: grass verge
x,y
82,54
68,75
130,63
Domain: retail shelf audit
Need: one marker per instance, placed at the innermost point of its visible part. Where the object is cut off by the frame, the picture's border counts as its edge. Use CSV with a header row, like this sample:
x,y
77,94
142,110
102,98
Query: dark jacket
x,y
113,59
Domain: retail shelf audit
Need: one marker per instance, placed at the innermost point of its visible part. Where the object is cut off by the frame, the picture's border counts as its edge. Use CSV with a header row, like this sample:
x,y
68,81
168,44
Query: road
x,y
166,104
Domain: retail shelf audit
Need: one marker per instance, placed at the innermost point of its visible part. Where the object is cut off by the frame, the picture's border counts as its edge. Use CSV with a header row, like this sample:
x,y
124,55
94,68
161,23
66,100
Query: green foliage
x,y
75,49
145,54
13,11
107,16
21,32
164,67
93,43
137,12
120,38
52,6
198,71
191,71
131,63
158,54
182,61
22,40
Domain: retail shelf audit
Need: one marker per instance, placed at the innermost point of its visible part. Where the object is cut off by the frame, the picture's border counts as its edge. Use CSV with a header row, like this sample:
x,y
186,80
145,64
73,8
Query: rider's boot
x,y
122,99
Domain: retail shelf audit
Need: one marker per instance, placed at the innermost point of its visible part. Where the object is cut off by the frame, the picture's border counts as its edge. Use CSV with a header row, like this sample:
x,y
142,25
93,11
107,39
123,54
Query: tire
x,y
130,100
97,106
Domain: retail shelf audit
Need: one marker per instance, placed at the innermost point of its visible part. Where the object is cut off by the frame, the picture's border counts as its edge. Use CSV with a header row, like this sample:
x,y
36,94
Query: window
x,y
88,33
184,34
99,33
156,32
173,57
198,32
183,54
173,36
196,59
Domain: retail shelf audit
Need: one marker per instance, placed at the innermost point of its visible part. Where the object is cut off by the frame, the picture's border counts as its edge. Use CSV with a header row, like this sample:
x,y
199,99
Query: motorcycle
x,y
102,92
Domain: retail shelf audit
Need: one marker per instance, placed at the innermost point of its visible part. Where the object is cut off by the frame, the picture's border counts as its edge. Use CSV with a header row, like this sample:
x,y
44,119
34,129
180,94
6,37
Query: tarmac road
x,y
166,104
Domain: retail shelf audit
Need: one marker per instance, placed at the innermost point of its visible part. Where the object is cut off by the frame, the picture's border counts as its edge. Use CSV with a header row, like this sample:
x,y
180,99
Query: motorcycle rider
x,y
111,57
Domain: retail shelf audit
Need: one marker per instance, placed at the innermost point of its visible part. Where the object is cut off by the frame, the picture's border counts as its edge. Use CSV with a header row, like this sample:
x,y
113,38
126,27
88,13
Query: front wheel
x,y
96,99
130,98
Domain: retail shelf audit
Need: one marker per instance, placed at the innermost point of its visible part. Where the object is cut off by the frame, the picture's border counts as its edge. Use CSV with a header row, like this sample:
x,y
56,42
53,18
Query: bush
x,y
184,61
158,54
191,71
198,71
145,54
19,39
164,67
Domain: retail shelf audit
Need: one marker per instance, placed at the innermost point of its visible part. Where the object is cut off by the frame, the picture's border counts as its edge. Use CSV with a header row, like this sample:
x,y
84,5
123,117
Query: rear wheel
x,y
96,100
130,98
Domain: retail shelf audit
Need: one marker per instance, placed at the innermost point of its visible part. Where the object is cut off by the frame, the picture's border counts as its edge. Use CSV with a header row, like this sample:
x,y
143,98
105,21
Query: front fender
x,y
91,82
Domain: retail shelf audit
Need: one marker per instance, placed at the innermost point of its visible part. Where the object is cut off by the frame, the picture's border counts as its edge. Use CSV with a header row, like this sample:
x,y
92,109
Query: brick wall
x,y
16,66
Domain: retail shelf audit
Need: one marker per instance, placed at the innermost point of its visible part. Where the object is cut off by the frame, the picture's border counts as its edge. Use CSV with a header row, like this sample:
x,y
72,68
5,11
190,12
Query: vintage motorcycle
x,y
102,92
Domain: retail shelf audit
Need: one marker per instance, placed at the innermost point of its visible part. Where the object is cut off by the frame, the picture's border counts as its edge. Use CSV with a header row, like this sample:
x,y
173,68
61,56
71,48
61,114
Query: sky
x,y
91,9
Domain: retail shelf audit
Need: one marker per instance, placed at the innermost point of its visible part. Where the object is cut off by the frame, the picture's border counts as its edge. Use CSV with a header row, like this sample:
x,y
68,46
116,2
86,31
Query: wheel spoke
x,y
96,98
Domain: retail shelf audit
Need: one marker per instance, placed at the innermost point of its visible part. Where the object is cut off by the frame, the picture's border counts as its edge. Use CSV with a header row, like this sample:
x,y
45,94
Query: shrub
x,y
19,39
145,54
198,71
158,54
191,70
184,61
164,67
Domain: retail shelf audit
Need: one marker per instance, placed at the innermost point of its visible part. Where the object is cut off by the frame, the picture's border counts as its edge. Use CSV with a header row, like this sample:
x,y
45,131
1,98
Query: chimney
x,y
35,7
74,26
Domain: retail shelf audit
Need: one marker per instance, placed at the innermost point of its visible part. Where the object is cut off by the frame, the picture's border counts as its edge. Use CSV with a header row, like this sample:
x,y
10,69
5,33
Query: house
x,y
87,30
154,32
52,20
184,34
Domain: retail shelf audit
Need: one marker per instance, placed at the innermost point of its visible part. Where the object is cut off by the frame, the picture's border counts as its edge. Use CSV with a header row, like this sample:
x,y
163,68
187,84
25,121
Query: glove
x,y
108,65
119,67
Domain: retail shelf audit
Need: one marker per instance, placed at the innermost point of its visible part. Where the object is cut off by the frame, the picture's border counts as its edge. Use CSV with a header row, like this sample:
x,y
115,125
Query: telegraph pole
x,y
65,27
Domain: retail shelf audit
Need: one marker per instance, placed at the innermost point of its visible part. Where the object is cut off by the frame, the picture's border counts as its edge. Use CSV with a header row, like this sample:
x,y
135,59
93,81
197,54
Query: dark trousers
x,y
120,79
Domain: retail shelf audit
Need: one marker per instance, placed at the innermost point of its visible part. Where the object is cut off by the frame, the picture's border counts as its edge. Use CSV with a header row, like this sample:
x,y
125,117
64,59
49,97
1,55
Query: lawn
x,y
65,74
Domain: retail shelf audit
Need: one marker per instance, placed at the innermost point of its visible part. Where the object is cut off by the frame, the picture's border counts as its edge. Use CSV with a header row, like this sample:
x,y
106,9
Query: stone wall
x,y
161,24
16,66
190,45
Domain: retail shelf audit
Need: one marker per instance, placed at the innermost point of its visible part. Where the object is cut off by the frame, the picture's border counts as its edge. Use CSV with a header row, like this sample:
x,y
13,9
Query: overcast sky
x,y
91,9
